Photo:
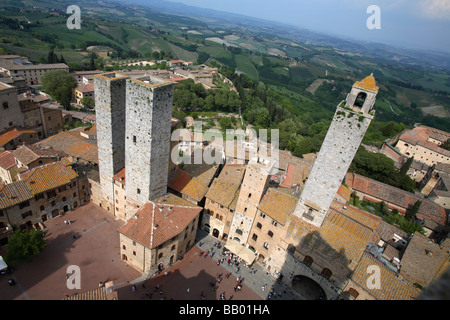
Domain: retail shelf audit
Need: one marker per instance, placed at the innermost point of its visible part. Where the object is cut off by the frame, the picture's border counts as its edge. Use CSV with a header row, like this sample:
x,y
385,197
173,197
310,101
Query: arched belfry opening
x,y
362,96
360,99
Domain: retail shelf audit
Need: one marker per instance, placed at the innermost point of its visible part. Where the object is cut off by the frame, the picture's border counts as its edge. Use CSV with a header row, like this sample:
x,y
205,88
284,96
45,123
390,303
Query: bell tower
x,y
347,129
362,96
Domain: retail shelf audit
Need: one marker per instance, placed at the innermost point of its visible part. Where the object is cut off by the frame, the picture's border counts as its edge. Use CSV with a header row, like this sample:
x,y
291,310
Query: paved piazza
x,y
96,252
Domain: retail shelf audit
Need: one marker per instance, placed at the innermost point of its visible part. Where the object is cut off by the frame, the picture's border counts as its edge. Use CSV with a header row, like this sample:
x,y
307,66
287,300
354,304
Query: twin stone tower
x,y
133,117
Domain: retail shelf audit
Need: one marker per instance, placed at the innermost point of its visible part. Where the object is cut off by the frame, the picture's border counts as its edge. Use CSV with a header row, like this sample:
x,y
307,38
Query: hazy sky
x,y
415,23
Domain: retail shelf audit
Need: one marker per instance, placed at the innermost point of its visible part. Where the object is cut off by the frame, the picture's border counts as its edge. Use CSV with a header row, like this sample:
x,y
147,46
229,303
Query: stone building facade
x,y
43,193
253,186
10,108
221,200
423,143
159,233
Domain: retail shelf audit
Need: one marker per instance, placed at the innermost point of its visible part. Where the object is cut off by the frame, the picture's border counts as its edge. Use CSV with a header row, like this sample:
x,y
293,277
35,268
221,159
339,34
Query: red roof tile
x,y
48,177
7,160
120,176
14,193
396,196
156,222
12,134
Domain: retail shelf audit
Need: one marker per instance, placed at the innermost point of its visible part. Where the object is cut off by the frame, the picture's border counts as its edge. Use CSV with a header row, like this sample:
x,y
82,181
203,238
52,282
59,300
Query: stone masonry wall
x,y
110,119
336,154
147,141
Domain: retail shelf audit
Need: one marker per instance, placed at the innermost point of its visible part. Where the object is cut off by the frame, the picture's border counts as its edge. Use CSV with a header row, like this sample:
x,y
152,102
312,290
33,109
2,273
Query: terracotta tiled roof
x,y
391,286
203,172
298,228
7,160
277,205
386,231
160,220
183,182
29,153
195,189
345,235
224,187
344,192
292,177
101,293
423,259
420,136
120,176
365,218
48,176
85,87
179,179
396,196
14,193
12,134
73,145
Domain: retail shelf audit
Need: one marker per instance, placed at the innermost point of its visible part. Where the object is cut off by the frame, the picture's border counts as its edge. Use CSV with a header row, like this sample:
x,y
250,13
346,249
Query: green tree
x,y
411,213
88,102
24,245
446,144
59,84
225,123
92,61
52,57
406,166
373,165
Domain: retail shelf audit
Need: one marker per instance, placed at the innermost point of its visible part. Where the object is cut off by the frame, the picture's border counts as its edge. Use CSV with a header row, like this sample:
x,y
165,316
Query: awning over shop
x,y
3,264
241,251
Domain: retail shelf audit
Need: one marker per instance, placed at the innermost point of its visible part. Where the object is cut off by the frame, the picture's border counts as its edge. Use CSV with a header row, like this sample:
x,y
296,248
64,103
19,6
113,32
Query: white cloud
x,y
436,8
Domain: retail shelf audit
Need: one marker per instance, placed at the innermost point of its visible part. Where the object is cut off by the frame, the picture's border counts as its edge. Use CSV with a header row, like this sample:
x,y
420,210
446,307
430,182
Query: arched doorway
x,y
308,288
215,233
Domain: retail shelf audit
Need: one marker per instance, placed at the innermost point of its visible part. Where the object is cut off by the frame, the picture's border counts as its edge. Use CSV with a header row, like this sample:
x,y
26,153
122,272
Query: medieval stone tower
x,y
110,118
147,140
350,123
253,186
